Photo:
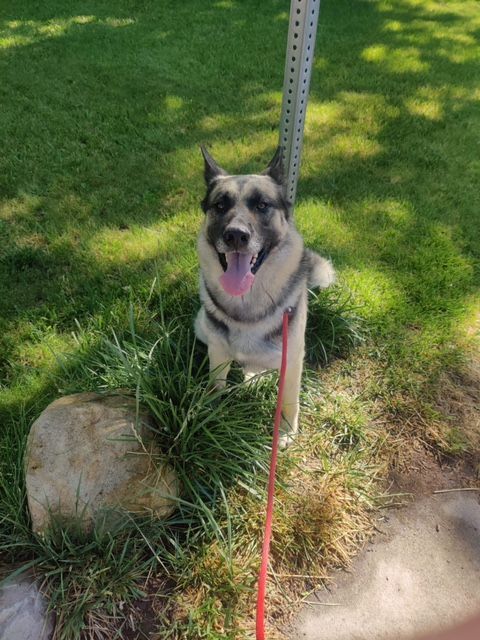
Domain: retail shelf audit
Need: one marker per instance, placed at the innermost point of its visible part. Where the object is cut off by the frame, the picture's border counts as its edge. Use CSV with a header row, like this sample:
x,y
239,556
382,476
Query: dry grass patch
x,y
324,506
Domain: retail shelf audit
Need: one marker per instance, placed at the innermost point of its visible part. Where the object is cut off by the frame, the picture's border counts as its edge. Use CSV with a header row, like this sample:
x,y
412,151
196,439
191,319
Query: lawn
x,y
103,106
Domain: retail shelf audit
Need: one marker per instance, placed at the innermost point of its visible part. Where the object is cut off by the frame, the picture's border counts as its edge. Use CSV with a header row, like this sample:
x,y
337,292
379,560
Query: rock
x,y
88,453
23,611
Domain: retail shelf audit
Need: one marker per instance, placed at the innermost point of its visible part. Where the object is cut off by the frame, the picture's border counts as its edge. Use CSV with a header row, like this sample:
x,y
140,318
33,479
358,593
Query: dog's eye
x,y
220,206
262,206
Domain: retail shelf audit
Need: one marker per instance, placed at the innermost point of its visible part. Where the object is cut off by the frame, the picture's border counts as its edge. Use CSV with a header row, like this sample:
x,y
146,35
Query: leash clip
x,y
290,311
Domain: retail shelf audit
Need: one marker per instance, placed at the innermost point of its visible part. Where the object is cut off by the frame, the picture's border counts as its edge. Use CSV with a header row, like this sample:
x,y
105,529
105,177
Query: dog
x,y
253,267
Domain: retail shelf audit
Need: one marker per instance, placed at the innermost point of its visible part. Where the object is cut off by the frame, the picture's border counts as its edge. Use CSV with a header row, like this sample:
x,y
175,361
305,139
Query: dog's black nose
x,y
236,237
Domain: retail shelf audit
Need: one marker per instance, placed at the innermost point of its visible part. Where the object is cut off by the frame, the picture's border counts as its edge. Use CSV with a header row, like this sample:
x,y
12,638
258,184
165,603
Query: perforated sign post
x,y
302,33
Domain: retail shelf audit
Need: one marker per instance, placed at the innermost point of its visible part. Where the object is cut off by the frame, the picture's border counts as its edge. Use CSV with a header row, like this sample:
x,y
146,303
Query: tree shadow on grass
x,y
101,132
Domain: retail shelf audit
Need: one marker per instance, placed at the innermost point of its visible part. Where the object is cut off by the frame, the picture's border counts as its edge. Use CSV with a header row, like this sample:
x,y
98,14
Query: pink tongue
x,y
238,278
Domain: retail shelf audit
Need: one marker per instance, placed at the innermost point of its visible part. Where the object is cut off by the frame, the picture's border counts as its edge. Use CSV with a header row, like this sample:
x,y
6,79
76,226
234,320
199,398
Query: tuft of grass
x,y
194,425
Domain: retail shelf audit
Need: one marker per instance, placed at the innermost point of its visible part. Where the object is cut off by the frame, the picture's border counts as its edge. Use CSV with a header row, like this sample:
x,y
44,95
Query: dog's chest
x,y
253,350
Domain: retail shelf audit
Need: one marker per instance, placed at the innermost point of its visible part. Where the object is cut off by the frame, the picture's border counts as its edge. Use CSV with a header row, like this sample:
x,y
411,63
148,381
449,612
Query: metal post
x,y
302,32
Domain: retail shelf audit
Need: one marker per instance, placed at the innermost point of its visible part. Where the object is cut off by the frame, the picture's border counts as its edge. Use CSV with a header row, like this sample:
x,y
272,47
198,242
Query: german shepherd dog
x,y
253,267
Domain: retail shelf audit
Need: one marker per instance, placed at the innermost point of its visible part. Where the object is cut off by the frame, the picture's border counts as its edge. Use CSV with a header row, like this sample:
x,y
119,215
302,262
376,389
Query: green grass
x,y
103,108
218,444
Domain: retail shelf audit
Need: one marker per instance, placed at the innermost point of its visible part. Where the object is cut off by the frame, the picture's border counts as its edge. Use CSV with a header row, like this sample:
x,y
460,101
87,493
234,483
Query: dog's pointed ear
x,y
275,168
212,170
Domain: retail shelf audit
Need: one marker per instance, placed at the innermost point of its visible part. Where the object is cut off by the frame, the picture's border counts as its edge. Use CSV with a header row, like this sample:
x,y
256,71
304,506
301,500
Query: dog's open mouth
x,y
239,270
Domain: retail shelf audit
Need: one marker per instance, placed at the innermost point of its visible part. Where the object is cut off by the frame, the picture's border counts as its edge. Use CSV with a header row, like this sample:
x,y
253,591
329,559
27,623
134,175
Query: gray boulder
x,y
88,453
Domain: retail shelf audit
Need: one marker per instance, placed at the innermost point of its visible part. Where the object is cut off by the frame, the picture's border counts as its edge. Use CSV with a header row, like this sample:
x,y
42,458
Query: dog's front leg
x,y
293,377
291,404
220,362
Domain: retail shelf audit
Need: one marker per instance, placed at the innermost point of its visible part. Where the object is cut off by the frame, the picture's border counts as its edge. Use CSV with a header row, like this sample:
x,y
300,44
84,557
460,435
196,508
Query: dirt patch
x,y
141,619
421,468
459,401
420,471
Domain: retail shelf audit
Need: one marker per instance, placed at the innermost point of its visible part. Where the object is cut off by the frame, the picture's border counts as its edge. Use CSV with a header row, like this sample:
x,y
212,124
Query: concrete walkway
x,y
422,572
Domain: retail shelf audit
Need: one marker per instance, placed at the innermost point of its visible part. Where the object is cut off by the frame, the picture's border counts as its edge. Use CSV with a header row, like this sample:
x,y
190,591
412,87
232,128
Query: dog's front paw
x,y
288,432
217,384
285,441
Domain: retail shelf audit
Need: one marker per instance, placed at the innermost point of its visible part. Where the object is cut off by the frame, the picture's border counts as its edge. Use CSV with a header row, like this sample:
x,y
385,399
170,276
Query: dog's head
x,y
247,217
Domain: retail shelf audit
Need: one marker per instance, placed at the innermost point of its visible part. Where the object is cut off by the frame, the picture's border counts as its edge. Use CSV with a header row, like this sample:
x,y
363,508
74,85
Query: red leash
x,y
262,576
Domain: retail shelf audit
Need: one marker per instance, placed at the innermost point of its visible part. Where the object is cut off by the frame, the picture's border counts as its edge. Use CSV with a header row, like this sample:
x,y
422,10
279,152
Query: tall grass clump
x,y
213,438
